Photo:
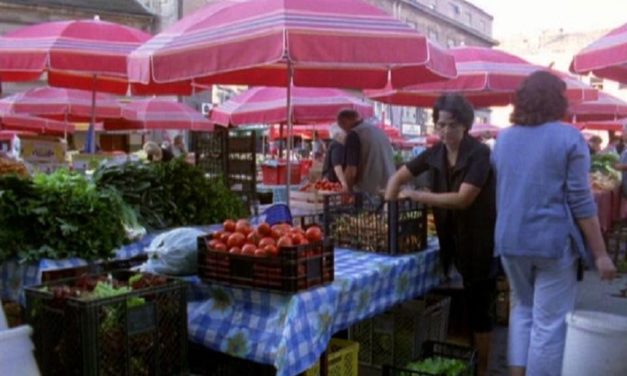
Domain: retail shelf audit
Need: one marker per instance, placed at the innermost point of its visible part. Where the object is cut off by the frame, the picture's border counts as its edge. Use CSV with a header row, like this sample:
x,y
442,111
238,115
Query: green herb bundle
x,y
171,194
58,216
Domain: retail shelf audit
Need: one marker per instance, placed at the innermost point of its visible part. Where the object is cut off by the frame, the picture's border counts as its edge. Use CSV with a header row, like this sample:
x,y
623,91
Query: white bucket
x,y
596,344
16,352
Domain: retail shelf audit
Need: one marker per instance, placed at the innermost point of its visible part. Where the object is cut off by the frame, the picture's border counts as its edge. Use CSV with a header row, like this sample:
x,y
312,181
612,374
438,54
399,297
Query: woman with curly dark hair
x,y
544,207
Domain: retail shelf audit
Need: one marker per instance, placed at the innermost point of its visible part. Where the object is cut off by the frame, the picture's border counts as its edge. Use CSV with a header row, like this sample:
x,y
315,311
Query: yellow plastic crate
x,y
342,359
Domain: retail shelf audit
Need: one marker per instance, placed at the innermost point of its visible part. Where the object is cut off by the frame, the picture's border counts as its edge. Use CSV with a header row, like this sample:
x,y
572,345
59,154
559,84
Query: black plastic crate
x,y
294,269
142,332
92,268
366,222
430,349
396,336
206,362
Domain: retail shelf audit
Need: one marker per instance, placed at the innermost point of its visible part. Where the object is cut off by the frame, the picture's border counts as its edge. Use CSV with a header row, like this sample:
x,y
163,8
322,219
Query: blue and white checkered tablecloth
x,y
290,332
15,276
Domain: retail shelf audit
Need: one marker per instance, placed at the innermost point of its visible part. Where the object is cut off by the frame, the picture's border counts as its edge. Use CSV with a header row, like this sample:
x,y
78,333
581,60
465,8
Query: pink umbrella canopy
x,y
482,129
605,57
487,77
152,114
61,104
608,125
26,123
606,107
72,53
326,43
304,131
267,105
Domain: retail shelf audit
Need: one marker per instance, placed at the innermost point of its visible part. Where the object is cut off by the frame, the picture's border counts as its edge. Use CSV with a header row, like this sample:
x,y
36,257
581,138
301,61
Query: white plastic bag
x,y
173,252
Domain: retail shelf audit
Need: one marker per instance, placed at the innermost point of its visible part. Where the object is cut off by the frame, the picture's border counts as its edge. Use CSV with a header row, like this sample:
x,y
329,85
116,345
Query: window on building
x,y
455,9
482,26
451,42
468,18
411,24
432,34
434,6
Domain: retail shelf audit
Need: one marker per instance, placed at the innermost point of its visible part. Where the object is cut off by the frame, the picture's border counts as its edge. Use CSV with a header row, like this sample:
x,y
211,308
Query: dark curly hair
x,y
539,99
458,106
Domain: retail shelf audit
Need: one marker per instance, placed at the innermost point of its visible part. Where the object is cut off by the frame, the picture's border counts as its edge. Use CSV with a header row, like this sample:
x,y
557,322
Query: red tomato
x,y
275,234
249,249
216,235
236,240
220,247
235,250
266,241
264,229
224,238
285,241
229,225
211,244
313,234
253,238
298,239
242,226
282,228
260,252
271,250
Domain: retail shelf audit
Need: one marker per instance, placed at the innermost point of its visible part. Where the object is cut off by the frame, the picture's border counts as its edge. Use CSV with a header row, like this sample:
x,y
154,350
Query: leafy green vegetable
x,y
604,163
59,215
437,366
171,194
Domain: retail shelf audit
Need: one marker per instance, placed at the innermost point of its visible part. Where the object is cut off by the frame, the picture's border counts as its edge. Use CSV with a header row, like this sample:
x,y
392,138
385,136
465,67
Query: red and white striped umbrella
x,y
606,107
268,105
321,131
61,104
481,129
605,57
155,113
325,43
26,123
81,54
607,125
487,77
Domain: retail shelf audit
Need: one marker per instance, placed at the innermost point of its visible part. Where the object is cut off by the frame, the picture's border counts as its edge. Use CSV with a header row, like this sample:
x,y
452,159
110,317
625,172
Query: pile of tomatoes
x,y
264,241
322,185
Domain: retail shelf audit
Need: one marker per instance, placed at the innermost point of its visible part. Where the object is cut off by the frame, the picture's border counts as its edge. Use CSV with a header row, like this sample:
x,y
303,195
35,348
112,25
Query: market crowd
x,y
545,230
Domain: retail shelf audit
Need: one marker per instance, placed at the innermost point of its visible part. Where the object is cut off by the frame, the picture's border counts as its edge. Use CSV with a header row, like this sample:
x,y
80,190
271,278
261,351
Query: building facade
x,y
450,23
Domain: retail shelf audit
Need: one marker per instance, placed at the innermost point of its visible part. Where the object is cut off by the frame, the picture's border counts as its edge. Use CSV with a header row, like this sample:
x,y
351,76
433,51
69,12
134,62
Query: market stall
x,y
290,332
607,190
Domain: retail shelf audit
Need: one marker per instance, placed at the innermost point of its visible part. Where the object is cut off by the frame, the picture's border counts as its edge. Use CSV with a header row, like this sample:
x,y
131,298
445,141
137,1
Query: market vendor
x,y
156,153
369,154
333,167
463,199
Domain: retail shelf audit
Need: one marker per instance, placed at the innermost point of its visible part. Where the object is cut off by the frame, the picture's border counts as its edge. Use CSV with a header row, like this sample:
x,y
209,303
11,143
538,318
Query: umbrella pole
x,y
290,139
91,132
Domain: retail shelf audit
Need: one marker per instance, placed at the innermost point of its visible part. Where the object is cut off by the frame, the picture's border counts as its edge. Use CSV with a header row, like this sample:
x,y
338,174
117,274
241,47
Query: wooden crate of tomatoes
x,y
280,258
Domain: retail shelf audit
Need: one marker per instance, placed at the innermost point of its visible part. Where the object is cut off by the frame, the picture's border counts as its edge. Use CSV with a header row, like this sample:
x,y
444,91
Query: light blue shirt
x,y
542,189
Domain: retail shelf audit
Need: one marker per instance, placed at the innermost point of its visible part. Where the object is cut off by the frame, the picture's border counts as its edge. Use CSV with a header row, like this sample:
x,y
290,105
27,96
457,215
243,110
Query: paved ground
x,y
593,295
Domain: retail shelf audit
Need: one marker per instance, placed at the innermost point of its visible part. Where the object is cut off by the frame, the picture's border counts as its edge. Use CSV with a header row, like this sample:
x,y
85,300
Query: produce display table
x,y
14,276
611,207
290,332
